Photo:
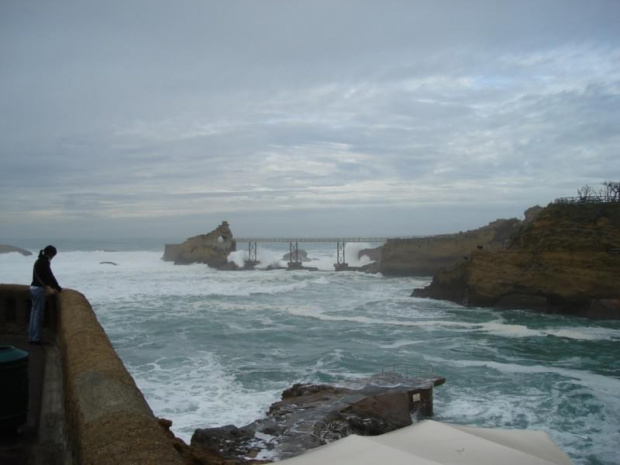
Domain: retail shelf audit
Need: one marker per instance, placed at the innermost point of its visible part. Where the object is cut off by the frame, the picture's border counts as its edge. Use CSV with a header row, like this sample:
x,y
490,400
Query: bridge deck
x,y
319,239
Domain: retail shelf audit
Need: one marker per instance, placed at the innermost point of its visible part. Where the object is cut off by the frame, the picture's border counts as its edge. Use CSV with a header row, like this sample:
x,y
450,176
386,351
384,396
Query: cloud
x,y
130,110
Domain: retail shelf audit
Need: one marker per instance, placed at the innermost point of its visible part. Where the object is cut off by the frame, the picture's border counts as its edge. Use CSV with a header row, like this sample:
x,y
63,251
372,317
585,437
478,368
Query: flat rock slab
x,y
309,416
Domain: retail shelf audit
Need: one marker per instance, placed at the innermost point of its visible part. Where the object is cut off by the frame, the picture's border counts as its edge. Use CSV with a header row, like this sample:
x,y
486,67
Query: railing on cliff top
x,y
586,200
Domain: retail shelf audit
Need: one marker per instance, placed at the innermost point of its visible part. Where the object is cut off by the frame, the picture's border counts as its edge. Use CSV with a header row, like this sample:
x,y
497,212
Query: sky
x,y
160,119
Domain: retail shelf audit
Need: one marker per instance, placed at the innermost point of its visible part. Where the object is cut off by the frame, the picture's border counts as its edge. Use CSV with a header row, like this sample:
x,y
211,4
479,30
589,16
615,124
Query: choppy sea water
x,y
210,348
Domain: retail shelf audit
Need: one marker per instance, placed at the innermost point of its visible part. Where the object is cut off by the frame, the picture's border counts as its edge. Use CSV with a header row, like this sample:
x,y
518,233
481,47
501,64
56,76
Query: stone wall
x,y
109,421
15,311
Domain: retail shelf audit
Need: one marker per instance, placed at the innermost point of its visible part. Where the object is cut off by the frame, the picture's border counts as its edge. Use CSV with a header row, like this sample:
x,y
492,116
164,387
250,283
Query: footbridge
x,y
294,261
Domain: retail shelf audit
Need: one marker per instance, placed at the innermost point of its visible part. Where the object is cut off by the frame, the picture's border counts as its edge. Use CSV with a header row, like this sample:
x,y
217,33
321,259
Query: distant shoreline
x,y
10,248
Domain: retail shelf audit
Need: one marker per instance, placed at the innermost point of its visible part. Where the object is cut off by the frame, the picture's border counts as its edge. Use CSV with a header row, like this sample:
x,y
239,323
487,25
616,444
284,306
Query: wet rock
x,y
312,415
228,441
193,455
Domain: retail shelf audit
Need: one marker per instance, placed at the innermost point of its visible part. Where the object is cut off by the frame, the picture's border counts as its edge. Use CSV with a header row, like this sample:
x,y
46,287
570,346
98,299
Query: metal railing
x,y
315,239
586,200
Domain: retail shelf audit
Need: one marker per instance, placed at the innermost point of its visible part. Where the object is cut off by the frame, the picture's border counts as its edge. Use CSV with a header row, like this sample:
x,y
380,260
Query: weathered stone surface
x,y
565,260
212,249
109,420
312,415
193,455
423,256
10,248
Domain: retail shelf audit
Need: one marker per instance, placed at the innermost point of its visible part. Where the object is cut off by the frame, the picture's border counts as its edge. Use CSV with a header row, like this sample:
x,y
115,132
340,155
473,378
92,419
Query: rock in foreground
x,y
309,416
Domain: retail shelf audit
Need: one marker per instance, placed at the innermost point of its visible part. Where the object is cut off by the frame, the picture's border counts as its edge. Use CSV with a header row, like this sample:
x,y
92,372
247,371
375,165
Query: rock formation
x,y
423,256
10,248
302,256
565,260
212,249
312,415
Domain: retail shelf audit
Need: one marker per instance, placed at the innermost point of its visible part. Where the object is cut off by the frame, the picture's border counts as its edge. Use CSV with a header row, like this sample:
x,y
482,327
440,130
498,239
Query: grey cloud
x,y
155,109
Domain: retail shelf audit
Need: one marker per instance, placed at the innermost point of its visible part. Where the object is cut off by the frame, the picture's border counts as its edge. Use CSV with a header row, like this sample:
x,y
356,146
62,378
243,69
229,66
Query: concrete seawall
x,y
108,420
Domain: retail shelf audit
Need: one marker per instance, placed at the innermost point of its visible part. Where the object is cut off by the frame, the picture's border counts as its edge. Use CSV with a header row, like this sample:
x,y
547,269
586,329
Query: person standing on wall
x,y
42,276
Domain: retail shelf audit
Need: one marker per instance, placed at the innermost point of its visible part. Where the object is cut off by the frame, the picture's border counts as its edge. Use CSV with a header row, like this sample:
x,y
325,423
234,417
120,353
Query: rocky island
x,y
565,259
211,249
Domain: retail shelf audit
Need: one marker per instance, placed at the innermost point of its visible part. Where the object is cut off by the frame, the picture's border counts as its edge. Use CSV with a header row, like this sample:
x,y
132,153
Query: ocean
x,y
210,348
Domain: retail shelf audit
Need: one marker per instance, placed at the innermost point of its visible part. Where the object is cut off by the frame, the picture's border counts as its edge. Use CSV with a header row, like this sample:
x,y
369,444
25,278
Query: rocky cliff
x,y
565,260
423,256
212,248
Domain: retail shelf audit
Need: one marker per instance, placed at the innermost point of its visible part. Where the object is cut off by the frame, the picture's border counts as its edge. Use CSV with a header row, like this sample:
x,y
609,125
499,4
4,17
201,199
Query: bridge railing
x,y
312,239
325,239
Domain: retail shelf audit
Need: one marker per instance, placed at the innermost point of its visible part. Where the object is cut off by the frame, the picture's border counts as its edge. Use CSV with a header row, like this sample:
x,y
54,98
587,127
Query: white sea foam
x,y
578,408
399,344
500,328
319,313
239,257
603,384
198,392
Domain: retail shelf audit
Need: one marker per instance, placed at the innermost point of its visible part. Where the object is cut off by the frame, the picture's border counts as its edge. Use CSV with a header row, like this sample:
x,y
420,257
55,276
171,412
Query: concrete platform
x,y
42,439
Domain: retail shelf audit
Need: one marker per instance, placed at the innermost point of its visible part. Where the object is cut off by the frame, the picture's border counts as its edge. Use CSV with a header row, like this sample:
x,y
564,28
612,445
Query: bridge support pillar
x,y
252,260
294,263
340,264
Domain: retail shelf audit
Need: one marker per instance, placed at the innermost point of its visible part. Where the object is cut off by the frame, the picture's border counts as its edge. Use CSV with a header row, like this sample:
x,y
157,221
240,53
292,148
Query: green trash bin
x,y
13,388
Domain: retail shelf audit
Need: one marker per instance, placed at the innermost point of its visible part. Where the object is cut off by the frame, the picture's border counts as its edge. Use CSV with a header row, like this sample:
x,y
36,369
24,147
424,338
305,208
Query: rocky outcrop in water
x,y
564,260
312,415
302,256
425,255
10,248
211,249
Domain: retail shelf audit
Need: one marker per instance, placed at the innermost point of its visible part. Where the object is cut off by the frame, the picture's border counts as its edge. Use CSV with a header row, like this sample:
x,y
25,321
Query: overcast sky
x,y
162,118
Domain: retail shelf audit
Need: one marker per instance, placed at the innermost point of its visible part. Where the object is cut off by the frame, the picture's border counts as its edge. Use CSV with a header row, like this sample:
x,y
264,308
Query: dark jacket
x,y
42,274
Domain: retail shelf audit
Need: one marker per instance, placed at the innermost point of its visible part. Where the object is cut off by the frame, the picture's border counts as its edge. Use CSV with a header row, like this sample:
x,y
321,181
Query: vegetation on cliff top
x,y
564,258
571,227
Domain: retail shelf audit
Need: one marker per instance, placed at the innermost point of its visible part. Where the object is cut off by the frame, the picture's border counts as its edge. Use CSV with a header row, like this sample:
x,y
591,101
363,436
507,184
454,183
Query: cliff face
x,y
566,260
212,248
424,256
